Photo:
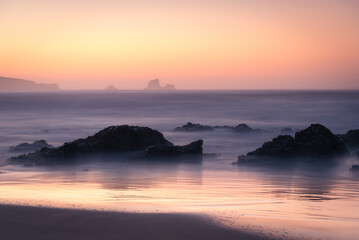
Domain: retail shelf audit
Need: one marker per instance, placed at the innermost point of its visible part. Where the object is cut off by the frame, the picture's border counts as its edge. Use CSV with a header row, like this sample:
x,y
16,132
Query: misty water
x,y
297,201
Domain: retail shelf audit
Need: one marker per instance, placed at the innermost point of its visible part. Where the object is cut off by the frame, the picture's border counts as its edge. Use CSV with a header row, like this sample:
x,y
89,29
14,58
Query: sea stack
x,y
155,85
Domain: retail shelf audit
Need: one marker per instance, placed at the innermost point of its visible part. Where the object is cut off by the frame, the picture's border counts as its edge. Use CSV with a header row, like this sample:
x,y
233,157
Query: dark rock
x,y
350,139
355,168
281,146
30,147
319,140
161,150
244,128
314,141
286,130
191,127
114,139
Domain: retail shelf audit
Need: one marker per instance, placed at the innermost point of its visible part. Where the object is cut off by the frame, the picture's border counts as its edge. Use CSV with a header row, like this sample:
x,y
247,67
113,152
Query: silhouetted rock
x,y
314,141
281,146
350,139
161,150
111,88
355,168
286,130
15,84
111,140
244,128
319,140
155,85
30,147
190,127
114,139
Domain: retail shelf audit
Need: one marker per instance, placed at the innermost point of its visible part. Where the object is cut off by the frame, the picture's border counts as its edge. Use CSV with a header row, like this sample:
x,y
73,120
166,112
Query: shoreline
x,y
27,222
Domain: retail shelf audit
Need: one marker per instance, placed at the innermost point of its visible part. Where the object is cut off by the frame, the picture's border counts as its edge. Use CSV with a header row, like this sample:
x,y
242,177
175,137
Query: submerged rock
x,y
193,127
355,168
244,128
111,140
30,147
350,139
286,130
314,141
161,150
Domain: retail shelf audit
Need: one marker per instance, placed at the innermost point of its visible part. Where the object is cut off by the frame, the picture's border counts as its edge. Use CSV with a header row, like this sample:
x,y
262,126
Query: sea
x,y
284,201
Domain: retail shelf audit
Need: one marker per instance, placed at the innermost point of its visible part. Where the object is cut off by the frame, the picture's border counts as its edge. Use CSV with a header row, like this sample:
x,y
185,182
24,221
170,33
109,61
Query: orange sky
x,y
227,44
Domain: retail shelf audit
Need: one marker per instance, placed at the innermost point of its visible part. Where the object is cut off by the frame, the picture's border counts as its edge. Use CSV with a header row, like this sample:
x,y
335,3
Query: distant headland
x,y
155,85
21,85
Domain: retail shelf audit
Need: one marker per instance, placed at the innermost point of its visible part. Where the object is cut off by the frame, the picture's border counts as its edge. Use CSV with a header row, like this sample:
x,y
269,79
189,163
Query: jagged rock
x,y
190,127
244,128
281,146
286,130
111,140
155,85
114,139
350,139
30,147
314,141
319,140
355,168
161,150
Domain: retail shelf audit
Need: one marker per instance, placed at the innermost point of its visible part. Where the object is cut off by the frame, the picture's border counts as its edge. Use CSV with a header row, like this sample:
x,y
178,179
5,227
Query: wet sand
x,y
19,222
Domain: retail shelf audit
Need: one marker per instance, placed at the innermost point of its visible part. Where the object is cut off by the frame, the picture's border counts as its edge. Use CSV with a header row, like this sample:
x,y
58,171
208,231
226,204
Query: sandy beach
x,y
20,222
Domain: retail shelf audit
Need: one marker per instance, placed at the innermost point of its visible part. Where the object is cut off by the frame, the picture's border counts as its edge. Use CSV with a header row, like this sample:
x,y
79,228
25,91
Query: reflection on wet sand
x,y
249,197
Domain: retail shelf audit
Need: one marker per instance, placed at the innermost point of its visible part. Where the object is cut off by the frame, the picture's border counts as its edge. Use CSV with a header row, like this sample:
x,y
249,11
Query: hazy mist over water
x,y
312,202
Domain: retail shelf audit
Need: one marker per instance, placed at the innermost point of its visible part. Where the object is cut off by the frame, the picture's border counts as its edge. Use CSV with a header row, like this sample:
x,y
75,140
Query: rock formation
x,y
313,142
350,139
161,150
244,128
111,140
193,127
30,147
286,130
155,85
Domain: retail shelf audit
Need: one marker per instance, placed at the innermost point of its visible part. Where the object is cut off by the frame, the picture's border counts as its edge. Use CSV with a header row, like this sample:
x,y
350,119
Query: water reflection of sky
x,y
229,193
312,201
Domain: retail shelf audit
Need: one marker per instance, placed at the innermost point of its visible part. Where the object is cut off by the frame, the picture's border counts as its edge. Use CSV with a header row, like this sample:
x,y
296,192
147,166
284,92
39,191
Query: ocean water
x,y
295,201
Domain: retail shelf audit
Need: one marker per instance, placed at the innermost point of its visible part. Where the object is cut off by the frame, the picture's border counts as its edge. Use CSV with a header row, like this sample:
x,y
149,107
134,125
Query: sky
x,y
194,44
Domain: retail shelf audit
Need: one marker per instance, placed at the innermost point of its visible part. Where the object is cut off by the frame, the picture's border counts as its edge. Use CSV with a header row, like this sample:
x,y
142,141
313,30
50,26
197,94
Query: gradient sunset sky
x,y
194,44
